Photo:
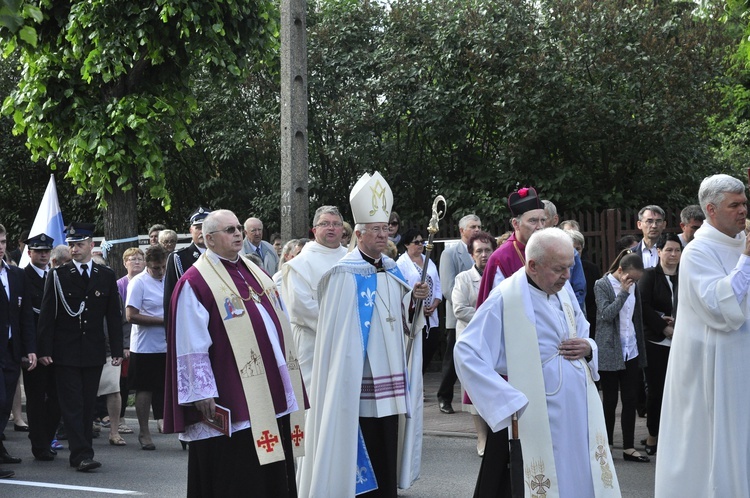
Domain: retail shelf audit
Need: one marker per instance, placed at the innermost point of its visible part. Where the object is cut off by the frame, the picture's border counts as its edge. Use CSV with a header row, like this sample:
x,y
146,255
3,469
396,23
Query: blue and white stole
x,y
367,286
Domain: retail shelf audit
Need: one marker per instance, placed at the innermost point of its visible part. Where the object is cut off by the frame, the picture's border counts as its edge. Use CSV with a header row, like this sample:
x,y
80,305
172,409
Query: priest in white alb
x,y
364,391
704,438
301,275
531,331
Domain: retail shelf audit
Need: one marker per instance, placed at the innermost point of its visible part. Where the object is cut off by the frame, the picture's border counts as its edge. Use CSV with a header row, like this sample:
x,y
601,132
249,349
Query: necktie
x,y
85,273
45,274
257,251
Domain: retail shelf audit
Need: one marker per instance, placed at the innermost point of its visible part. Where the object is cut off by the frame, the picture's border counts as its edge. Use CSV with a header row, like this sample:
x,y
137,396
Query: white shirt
x,y
146,294
627,329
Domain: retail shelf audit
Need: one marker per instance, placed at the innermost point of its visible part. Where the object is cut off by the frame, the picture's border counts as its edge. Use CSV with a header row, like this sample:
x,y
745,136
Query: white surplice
x,y
480,358
299,289
330,463
704,436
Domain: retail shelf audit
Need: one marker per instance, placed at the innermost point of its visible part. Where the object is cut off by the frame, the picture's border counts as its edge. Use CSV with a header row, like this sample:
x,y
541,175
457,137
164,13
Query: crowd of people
x,y
295,369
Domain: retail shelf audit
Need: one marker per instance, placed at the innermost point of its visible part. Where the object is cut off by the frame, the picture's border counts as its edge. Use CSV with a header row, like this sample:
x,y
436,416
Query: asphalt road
x,y
449,469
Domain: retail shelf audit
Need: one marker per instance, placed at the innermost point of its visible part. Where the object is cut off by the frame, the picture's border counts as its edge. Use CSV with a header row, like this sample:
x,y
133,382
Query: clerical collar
x,y
216,257
377,263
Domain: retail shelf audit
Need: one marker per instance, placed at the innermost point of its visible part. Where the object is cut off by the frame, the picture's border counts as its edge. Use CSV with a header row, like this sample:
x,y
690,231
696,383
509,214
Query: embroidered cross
x,y
297,435
539,483
267,441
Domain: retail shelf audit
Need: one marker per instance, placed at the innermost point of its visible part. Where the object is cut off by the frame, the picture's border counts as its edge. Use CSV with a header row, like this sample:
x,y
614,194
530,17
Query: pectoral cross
x,y
390,320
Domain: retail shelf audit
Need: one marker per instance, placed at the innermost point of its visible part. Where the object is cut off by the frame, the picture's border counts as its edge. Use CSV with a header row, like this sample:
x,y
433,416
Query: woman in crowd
x,y
622,351
659,297
410,263
134,261
481,245
288,252
168,240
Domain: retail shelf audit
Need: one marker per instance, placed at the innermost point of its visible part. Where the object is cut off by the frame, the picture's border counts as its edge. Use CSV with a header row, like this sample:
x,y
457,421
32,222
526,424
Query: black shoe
x,y
445,407
20,428
44,456
6,474
633,458
6,458
650,449
87,464
52,451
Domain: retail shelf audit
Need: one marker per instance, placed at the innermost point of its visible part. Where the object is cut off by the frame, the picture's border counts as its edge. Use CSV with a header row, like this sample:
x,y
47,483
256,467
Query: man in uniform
x,y
230,347
532,332
16,339
301,275
362,381
254,243
178,262
78,298
454,260
42,407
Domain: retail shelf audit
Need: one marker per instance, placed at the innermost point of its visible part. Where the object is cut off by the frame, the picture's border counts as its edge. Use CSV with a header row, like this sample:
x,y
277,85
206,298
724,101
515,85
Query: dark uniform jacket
x,y
79,341
19,315
177,264
35,285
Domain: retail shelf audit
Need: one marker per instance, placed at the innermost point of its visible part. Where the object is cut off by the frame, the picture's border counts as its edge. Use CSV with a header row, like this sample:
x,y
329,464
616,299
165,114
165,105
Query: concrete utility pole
x,y
295,201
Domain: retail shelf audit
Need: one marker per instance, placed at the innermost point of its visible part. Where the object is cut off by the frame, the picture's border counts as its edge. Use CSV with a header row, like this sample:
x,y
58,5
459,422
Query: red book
x,y
222,420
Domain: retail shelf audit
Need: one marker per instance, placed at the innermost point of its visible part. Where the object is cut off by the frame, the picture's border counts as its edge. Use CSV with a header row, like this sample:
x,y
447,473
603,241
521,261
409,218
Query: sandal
x,y
117,440
124,429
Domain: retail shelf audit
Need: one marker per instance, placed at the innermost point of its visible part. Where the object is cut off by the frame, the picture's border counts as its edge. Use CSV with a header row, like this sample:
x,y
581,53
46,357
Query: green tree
x,y
104,83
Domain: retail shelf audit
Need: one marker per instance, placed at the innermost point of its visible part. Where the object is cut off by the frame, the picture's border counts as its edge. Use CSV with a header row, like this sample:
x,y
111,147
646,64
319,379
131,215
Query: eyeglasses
x,y
393,223
377,230
418,242
135,259
230,230
652,222
329,224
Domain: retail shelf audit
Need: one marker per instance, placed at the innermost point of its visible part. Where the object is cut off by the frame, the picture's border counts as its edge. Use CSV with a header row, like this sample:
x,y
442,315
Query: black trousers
x,y
76,392
9,375
494,475
626,382
381,440
224,467
656,373
445,391
42,406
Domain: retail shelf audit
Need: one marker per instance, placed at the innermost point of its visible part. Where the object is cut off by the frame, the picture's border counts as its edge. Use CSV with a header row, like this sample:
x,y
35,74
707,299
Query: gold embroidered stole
x,y
525,374
604,478
250,362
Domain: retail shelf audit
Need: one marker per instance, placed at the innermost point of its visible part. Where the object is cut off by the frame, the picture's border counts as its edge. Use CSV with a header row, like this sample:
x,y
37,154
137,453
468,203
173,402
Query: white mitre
x,y
371,199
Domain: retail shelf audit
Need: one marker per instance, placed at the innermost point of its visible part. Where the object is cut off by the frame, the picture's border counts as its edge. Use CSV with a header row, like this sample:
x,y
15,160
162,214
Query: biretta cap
x,y
41,242
79,231
199,215
524,200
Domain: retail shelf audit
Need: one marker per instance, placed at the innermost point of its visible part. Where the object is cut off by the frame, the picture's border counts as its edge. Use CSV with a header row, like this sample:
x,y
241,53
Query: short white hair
x,y
714,188
464,222
211,223
542,241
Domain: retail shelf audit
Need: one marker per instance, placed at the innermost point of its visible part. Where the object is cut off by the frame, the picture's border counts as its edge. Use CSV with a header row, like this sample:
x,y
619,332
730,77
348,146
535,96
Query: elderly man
x,y
532,331
651,221
703,449
362,380
454,260
528,216
691,219
180,261
301,275
79,298
230,350
551,211
254,243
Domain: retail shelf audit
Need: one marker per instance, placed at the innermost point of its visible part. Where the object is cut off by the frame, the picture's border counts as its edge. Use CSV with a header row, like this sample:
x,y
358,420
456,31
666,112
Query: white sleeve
x,y
195,377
